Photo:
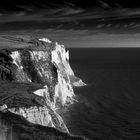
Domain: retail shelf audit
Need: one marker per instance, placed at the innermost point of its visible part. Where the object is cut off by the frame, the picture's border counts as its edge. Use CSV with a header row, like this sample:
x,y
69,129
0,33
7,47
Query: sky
x,y
75,23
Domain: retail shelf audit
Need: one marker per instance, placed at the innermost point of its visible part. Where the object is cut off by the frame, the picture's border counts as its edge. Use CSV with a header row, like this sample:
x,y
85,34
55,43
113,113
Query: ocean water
x,y
108,107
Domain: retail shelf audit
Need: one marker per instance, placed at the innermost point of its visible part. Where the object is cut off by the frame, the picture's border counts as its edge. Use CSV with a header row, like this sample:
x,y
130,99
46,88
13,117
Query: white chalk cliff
x,y
50,68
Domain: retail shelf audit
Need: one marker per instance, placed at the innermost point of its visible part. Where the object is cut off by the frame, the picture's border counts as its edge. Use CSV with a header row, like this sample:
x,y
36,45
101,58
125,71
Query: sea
x,y
108,108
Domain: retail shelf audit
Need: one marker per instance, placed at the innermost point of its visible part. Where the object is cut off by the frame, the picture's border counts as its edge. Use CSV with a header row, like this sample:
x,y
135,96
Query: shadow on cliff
x,y
15,127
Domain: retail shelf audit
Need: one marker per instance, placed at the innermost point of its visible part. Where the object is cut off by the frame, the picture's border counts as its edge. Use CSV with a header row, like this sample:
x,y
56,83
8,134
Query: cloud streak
x,y
84,38
68,14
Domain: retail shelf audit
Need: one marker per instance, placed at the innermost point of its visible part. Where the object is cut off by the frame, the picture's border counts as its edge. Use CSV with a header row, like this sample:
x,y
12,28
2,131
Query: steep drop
x,y
45,64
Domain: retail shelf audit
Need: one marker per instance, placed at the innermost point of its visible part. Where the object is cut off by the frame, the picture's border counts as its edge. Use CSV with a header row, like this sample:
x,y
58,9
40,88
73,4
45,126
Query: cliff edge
x,y
35,80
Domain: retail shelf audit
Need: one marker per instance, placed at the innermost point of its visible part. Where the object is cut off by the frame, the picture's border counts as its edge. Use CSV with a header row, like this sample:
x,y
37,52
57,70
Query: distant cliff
x,y
35,80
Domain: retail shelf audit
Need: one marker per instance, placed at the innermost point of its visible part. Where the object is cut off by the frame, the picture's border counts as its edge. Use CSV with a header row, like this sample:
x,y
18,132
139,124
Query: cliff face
x,y
38,74
15,127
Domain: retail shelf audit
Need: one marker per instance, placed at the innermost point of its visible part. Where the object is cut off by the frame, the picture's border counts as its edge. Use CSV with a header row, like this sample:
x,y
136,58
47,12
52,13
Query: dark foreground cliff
x,y
35,80
15,127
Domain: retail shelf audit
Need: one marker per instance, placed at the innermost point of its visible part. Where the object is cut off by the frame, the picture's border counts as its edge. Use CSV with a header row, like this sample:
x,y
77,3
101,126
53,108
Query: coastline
x,y
49,67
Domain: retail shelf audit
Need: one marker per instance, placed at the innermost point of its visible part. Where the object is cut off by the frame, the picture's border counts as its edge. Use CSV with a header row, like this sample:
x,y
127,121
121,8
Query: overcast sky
x,y
75,23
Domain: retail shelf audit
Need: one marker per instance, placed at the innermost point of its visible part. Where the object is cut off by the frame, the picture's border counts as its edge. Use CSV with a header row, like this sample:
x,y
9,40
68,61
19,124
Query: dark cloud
x,y
33,5
69,14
